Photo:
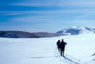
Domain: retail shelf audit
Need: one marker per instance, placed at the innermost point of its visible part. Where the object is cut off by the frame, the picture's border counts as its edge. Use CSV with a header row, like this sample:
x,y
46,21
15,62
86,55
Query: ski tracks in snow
x,y
69,60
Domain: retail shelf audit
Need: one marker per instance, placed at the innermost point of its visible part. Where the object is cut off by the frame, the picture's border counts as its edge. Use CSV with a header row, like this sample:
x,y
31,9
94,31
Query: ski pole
x,y
66,49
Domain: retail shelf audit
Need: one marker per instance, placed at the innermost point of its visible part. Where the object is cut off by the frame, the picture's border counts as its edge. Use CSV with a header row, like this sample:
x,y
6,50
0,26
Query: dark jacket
x,y
58,44
62,46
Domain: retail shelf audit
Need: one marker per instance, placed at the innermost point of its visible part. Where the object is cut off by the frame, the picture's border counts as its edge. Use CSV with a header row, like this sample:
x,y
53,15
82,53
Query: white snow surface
x,y
80,49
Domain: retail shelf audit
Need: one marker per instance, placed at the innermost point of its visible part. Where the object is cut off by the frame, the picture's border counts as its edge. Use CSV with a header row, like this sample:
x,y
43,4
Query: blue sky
x,y
46,15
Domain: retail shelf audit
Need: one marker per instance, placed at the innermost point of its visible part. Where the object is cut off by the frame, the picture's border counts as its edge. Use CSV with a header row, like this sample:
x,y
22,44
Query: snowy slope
x,y
80,49
77,30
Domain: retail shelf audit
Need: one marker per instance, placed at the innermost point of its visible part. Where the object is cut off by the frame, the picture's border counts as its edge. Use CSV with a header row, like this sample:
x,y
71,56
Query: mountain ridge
x,y
76,30
67,31
23,34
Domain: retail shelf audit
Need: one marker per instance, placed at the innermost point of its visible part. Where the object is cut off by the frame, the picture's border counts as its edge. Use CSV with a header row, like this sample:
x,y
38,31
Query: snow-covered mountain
x,y
77,30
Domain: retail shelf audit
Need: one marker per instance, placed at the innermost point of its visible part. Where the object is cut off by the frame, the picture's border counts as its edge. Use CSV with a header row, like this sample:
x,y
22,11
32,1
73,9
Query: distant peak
x,y
75,30
77,27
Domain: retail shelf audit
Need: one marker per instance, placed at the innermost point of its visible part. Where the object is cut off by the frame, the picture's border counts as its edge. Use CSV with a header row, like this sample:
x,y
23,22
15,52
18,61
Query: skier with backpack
x,y
62,47
58,44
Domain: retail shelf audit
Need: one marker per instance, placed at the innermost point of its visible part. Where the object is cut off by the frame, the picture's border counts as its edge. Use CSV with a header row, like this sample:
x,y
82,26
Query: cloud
x,y
60,3
33,19
36,3
64,6
51,12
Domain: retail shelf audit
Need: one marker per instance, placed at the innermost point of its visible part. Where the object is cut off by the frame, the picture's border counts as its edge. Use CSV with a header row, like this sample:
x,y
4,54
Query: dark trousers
x,y
62,52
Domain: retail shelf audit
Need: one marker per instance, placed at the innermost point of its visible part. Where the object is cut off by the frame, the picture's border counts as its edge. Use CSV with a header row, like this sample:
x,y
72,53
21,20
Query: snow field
x,y
79,50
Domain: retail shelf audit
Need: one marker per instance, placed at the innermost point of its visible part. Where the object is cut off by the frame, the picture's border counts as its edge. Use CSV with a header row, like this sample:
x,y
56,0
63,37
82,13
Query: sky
x,y
46,15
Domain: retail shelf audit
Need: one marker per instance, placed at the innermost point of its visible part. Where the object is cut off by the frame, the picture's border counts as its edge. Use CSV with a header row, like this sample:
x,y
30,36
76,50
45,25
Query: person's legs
x,y
59,49
61,52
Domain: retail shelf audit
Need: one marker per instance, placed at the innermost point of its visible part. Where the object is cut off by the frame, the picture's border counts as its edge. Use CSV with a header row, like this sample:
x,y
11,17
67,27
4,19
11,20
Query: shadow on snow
x,y
71,60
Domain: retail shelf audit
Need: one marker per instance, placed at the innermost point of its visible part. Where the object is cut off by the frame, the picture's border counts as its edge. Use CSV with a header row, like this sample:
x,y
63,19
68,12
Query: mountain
x,y
68,31
22,34
76,30
17,34
46,34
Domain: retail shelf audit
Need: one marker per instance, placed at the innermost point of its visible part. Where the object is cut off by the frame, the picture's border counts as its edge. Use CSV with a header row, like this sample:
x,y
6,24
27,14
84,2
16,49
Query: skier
x,y
58,44
62,46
